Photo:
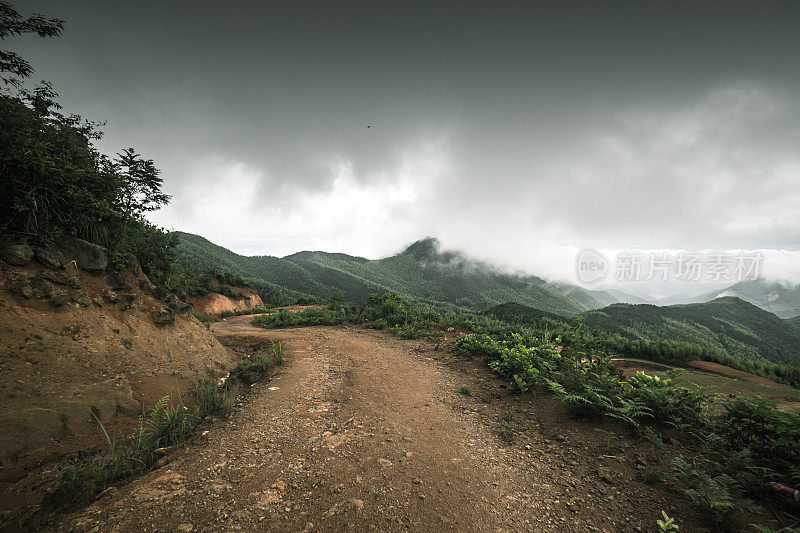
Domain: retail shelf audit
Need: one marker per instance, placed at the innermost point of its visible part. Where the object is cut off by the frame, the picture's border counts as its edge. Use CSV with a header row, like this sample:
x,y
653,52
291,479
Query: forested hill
x,y
781,298
422,271
727,324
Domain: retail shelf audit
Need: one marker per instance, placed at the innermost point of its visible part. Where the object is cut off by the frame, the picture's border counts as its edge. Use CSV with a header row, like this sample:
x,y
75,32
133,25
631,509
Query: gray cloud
x,y
517,132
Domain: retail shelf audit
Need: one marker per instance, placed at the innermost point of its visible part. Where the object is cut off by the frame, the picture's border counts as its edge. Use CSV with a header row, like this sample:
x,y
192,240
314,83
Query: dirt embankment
x,y
73,342
716,368
214,304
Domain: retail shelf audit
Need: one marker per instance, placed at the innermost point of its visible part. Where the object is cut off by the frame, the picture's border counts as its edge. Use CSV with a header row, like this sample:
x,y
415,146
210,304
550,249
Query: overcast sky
x,y
517,132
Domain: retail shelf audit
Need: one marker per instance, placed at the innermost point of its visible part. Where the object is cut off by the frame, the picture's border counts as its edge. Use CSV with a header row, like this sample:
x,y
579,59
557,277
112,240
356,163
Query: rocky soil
x,y
212,304
77,337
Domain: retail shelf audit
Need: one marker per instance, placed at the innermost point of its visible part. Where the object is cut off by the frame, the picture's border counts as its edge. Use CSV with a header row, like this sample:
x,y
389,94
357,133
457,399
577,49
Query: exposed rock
x,y
54,276
160,293
132,263
146,286
88,256
59,298
185,308
81,297
18,254
126,300
117,281
20,284
162,316
110,296
172,301
47,258
97,301
76,282
41,289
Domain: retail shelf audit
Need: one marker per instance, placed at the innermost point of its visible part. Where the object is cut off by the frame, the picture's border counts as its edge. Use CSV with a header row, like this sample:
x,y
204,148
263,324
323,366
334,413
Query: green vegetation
x,y
465,390
212,399
163,426
781,298
57,183
645,339
517,313
384,311
160,429
726,330
506,426
727,326
667,525
253,368
445,280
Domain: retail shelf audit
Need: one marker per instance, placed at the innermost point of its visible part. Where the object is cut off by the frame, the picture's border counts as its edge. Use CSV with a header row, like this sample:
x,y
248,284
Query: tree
x,y
141,190
56,182
12,66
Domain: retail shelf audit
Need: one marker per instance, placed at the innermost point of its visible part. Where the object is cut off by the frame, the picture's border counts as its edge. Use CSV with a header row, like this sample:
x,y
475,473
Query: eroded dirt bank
x,y
359,430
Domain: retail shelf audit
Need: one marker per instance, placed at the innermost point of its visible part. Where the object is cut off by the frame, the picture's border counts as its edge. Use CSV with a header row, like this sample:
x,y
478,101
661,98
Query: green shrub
x,y
212,399
716,496
772,436
477,344
465,390
668,403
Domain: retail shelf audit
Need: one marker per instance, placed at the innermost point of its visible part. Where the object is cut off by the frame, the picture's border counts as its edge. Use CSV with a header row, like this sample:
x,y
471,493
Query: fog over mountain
x,y
518,133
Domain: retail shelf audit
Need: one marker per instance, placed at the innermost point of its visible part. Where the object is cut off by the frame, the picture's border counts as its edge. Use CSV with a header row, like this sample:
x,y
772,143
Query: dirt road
x,y
359,430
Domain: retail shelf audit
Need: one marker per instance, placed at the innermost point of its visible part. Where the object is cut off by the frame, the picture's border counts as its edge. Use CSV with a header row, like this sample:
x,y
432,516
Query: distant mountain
x,y
589,299
422,271
780,298
794,321
627,298
728,324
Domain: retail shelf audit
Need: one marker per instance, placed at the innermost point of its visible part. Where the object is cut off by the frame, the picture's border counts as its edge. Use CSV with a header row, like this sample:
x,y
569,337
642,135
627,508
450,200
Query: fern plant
x,y
667,525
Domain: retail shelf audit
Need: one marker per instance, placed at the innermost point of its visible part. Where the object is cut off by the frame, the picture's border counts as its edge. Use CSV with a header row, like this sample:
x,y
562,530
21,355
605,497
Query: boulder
x,y
47,258
186,307
160,293
81,297
172,301
20,284
75,282
117,281
58,299
41,289
163,316
88,256
131,263
17,254
55,276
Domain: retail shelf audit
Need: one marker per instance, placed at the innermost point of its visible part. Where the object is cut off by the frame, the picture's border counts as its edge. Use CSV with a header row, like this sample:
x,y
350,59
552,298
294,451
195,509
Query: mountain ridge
x,y
422,270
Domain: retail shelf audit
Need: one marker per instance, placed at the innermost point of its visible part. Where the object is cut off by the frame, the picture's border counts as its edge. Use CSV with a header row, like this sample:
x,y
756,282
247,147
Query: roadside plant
x,y
666,524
